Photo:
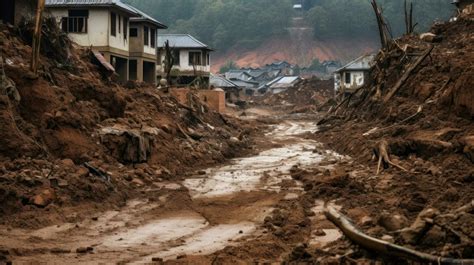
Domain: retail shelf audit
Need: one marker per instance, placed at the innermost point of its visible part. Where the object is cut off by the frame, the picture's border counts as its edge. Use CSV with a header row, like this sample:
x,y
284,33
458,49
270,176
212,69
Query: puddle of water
x,y
157,232
321,241
208,241
245,174
272,166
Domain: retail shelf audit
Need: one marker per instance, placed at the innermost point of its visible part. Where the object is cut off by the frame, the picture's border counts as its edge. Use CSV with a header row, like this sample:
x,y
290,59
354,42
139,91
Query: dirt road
x,y
219,207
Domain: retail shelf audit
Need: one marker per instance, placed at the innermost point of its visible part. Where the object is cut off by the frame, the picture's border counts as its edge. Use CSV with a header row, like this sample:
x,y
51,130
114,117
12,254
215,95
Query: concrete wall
x,y
137,44
358,79
98,29
118,41
184,62
214,99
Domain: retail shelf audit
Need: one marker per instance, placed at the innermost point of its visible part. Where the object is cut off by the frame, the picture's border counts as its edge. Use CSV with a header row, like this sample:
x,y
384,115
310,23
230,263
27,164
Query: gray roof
x,y
237,74
287,81
95,3
245,84
146,18
181,41
361,63
219,81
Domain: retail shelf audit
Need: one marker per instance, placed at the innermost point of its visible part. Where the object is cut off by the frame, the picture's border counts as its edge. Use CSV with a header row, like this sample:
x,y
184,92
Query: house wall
x,y
137,44
98,30
118,41
358,79
184,62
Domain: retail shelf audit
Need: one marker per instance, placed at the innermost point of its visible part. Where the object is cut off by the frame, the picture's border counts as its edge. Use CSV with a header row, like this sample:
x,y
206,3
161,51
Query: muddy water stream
x,y
143,230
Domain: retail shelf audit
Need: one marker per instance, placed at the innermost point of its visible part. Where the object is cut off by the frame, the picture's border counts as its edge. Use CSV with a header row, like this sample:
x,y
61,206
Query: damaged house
x,y
192,58
12,11
353,75
104,25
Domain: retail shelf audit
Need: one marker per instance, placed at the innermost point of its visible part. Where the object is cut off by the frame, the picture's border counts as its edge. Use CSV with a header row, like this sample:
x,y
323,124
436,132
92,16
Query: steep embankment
x,y
294,51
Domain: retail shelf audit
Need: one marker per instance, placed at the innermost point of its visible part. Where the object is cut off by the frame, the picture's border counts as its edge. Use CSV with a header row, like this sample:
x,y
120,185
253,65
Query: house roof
x,y
181,41
235,74
146,18
245,84
286,81
93,3
361,63
219,81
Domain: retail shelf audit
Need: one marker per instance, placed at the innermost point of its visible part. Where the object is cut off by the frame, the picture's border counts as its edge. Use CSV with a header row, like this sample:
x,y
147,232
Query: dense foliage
x,y
225,23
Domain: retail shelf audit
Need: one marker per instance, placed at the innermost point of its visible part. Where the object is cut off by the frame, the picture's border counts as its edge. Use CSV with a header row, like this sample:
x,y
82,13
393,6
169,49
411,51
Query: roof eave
x,y
135,14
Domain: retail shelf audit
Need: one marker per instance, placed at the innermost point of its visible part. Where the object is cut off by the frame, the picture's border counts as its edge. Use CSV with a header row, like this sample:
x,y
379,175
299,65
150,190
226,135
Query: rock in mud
x,y
392,222
43,199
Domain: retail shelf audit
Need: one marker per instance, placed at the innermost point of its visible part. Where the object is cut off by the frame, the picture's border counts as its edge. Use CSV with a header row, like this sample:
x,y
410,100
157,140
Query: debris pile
x,y
69,136
410,132
306,96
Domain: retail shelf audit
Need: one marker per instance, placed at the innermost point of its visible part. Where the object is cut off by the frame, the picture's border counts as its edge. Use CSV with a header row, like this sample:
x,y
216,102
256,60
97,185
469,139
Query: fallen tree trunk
x,y
384,247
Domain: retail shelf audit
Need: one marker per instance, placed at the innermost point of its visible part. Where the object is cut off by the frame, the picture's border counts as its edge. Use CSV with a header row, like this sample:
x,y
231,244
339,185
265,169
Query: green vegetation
x,y
247,23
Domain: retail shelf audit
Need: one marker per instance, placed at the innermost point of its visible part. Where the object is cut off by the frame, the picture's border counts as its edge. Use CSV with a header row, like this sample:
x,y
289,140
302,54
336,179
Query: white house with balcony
x,y
191,58
104,26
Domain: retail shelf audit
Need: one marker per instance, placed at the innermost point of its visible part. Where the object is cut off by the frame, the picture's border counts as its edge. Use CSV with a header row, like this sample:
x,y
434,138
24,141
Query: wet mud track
x,y
225,207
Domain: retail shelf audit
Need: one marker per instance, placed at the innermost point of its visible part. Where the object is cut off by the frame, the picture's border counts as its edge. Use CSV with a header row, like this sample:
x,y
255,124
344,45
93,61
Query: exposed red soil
x,y
285,49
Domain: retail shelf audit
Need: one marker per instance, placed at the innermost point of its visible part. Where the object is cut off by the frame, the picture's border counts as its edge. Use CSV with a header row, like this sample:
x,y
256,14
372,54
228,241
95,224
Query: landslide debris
x,y
428,128
70,136
309,95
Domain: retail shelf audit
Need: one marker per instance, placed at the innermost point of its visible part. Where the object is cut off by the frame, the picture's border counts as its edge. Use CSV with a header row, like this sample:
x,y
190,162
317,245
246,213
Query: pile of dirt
x,y
423,197
69,136
306,96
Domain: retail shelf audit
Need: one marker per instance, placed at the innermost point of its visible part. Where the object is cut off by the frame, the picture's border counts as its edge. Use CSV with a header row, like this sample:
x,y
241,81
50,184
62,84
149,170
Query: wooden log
x,y
383,247
37,37
407,74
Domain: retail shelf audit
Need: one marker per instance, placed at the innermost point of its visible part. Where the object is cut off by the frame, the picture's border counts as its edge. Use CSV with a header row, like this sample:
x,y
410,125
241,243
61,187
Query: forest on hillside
x,y
247,23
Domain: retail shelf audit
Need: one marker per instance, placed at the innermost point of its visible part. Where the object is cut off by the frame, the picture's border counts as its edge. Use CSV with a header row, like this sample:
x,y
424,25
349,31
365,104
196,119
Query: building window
x,y
113,24
347,77
153,38
176,57
125,27
133,32
194,58
146,36
76,22
208,57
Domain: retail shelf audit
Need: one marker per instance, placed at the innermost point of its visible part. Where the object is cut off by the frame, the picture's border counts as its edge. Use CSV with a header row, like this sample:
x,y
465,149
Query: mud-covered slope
x,y
68,135
425,201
